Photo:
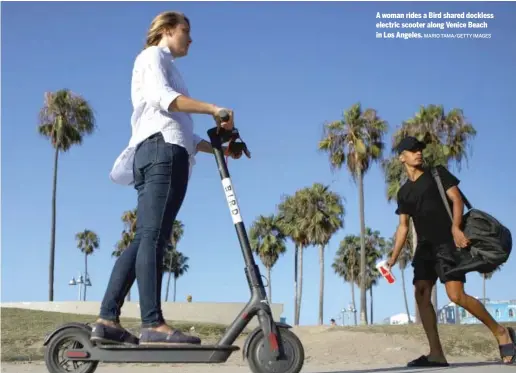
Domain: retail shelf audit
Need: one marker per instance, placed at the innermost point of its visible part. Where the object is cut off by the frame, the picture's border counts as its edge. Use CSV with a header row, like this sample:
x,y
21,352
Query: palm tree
x,y
375,250
485,277
129,219
372,276
290,219
447,137
404,259
268,242
127,236
128,233
174,262
324,212
357,140
64,119
87,242
346,264
171,259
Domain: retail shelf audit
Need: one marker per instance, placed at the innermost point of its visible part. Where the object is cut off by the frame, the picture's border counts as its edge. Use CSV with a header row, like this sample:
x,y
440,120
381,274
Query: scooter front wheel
x,y
291,362
55,353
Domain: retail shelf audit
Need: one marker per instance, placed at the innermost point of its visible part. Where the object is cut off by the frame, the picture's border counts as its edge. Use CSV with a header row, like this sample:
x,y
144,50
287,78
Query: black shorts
x,y
433,261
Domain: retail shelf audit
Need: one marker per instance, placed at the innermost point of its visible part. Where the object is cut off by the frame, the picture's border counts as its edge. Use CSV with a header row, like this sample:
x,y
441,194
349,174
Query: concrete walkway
x,y
116,368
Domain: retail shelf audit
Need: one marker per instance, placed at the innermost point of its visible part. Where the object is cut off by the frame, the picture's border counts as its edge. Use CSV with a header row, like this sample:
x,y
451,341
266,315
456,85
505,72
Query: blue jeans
x,y
161,179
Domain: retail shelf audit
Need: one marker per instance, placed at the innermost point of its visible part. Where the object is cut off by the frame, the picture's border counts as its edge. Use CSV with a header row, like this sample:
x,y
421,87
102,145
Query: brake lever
x,y
237,148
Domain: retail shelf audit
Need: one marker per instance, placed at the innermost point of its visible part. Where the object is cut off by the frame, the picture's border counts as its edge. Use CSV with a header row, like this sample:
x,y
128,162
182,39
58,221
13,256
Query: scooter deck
x,y
155,353
168,347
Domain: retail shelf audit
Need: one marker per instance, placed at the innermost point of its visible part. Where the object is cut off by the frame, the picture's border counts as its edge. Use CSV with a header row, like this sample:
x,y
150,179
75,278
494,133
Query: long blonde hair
x,y
161,23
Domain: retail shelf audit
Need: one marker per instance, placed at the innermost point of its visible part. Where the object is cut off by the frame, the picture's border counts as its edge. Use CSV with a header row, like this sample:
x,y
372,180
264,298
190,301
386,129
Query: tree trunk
x,y
175,288
405,294
363,293
300,286
418,316
296,262
168,286
414,247
484,289
353,303
53,232
321,284
371,296
85,276
414,236
434,300
269,284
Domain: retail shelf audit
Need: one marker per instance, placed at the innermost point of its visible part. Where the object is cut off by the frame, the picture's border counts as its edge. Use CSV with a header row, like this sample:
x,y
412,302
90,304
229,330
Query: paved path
x,y
111,368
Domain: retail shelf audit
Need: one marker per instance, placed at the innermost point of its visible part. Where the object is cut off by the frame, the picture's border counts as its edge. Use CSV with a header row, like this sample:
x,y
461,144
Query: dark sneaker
x,y
150,336
104,334
424,361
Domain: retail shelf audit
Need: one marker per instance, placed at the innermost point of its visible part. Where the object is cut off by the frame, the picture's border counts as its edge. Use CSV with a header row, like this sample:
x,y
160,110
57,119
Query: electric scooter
x,y
270,348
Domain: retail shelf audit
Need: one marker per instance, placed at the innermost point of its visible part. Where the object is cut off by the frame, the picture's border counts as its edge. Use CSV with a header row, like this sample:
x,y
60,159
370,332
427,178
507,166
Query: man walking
x,y
438,242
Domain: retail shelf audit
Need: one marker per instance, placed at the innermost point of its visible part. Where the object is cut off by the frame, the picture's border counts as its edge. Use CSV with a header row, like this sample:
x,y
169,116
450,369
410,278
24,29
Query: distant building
x,y
448,314
398,319
502,311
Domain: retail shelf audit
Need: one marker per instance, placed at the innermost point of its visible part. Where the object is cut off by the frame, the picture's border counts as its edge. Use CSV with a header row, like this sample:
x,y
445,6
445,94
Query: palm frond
x,y
65,119
355,140
87,241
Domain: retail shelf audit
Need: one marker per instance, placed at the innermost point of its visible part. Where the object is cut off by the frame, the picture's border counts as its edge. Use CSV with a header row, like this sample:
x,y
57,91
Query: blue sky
x,y
285,69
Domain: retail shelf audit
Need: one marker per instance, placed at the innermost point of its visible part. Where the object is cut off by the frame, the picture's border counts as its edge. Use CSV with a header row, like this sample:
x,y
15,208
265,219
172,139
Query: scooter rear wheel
x,y
70,338
291,362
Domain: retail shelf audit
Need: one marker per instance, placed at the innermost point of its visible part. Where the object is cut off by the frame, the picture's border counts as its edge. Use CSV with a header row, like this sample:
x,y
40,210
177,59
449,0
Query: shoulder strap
x,y
440,186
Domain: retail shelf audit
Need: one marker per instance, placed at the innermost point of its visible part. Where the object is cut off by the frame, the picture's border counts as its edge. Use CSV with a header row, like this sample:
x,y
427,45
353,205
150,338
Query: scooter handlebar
x,y
219,136
224,115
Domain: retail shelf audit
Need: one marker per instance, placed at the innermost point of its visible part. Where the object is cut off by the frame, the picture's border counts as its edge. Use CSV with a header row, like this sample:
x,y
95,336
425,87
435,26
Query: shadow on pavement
x,y
421,369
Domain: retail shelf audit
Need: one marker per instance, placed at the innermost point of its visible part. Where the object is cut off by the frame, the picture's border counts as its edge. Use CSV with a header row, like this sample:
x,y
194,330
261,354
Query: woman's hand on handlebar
x,y
227,124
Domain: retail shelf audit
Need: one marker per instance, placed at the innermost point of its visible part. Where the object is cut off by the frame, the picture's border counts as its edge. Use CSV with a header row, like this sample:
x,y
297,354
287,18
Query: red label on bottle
x,y
387,275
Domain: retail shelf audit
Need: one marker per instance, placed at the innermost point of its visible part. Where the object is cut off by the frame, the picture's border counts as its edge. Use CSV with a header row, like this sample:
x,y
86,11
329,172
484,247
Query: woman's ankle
x,y
163,326
111,323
